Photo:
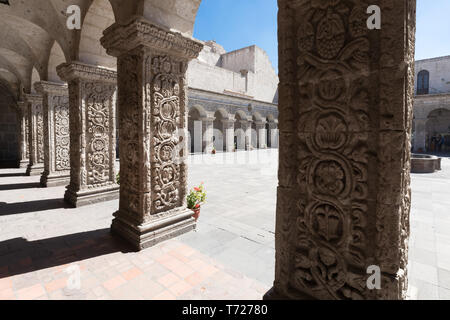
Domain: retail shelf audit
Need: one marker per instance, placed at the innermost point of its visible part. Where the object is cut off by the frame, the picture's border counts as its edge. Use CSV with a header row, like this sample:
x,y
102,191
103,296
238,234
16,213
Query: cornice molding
x,y
45,87
119,39
78,70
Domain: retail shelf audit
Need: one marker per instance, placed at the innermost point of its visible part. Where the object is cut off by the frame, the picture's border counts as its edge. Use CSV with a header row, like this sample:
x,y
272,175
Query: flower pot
x,y
196,213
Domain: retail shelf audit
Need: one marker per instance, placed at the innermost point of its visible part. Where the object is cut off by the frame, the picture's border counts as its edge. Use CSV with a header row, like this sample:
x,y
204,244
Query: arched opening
x,y
219,132
195,129
438,131
240,138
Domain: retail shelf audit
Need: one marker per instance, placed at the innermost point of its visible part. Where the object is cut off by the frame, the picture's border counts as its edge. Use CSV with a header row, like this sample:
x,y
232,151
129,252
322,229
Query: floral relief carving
x,y
98,100
62,136
166,119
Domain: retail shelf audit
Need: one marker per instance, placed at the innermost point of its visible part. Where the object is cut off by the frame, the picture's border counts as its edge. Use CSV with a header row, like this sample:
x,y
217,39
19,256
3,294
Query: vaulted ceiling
x,y
34,38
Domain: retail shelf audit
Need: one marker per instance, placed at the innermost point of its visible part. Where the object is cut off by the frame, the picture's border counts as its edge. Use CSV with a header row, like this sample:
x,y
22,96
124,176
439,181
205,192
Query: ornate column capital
x,y
119,39
33,98
53,88
79,70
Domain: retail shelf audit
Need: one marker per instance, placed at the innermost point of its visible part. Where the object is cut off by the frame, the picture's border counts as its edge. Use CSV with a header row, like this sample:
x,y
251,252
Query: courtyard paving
x,y
46,246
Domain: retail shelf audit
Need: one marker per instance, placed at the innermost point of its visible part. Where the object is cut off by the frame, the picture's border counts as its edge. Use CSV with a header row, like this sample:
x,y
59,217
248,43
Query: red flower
x,y
197,206
197,189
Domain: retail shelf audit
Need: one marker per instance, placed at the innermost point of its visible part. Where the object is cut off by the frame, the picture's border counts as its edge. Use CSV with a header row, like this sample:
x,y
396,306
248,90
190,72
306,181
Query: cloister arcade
x,y
345,114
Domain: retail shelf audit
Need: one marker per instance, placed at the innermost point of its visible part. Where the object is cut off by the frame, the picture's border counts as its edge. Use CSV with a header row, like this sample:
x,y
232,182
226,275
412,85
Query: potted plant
x,y
195,199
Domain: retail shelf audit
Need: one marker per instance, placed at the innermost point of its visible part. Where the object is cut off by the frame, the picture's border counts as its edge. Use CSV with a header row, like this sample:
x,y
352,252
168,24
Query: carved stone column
x,y
56,134
246,126
345,112
208,133
228,135
420,135
261,134
24,152
36,135
92,133
152,102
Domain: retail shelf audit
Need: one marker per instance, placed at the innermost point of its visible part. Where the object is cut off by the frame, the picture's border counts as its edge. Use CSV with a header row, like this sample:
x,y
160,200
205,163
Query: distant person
x,y
439,143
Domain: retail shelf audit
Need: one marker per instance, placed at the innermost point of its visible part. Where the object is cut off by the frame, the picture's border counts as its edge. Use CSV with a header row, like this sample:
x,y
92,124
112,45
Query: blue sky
x,y
240,23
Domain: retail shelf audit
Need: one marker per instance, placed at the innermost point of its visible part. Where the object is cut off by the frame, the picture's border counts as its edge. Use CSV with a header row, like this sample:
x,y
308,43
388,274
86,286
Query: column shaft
x,y
152,104
92,93
345,113
36,134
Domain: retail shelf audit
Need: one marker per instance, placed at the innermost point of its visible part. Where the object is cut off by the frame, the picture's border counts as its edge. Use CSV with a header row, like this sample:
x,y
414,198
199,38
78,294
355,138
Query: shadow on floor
x,y
7,209
19,256
7,175
6,187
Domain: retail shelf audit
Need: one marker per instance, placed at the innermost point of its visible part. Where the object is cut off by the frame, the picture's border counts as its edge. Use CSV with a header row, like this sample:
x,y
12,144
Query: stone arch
x,y
56,58
99,17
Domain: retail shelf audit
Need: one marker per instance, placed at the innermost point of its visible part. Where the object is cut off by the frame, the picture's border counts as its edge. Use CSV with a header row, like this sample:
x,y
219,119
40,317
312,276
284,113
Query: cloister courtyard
x,y
231,255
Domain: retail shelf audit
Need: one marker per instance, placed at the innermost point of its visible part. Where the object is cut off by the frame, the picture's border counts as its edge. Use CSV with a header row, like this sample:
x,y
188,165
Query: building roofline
x,y
434,59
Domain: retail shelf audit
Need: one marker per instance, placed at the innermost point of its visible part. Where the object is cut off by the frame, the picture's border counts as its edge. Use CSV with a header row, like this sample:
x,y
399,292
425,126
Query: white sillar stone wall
x,y
439,69
247,71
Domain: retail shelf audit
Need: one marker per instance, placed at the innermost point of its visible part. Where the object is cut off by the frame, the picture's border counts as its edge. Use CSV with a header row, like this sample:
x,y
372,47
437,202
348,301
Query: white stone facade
x,y
246,72
431,124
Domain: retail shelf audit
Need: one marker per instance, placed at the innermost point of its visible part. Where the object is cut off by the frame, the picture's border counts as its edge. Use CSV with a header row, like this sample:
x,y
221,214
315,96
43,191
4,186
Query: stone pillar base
x,y
23,164
35,170
87,197
151,233
48,181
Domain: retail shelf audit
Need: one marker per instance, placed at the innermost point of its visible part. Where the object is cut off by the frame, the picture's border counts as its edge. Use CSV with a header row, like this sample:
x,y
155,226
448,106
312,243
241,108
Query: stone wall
x,y
439,69
247,71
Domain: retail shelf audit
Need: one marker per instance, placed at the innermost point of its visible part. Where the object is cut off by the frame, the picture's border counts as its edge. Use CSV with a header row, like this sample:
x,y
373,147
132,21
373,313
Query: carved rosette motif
x,y
61,137
348,159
